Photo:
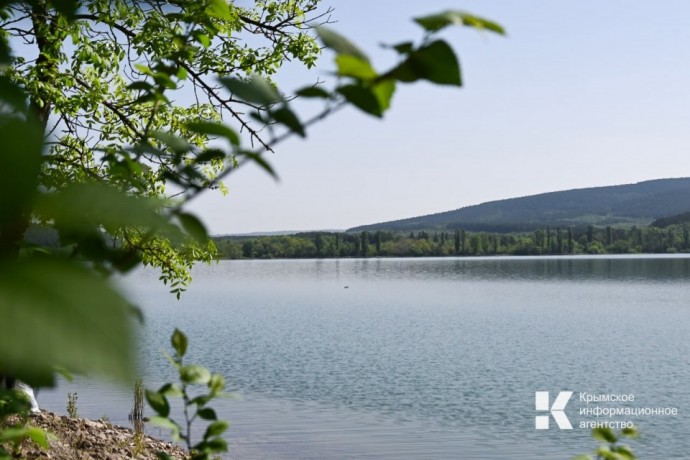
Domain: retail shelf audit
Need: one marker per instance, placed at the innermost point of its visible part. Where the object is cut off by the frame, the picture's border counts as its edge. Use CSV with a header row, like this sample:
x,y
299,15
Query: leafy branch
x,y
612,449
194,406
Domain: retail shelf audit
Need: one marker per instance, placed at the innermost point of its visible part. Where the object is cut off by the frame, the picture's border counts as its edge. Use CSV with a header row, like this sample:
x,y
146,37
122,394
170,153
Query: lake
x,y
424,358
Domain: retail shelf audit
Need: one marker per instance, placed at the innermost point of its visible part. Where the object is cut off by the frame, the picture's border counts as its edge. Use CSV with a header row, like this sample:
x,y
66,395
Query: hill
x,y
617,205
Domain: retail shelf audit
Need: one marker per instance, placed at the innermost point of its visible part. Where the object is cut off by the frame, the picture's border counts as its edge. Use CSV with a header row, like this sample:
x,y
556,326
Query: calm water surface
x,y
423,358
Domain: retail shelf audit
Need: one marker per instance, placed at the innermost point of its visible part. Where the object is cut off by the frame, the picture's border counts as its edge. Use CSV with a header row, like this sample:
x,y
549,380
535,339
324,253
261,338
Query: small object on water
x,y
346,287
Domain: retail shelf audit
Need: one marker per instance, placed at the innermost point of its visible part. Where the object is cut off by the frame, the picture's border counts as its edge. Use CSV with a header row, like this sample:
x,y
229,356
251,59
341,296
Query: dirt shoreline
x,y
83,439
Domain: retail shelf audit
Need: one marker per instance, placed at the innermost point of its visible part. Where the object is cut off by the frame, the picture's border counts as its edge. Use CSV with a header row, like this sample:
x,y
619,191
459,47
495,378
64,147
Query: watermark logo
x,y
597,410
557,410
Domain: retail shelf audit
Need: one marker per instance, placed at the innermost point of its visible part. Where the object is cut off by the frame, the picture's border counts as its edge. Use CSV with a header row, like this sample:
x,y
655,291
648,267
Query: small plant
x,y
105,418
138,408
611,450
72,405
195,406
139,444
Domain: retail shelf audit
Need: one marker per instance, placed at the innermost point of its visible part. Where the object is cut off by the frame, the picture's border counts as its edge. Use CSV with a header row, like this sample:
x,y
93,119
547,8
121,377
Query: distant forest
x,y
672,238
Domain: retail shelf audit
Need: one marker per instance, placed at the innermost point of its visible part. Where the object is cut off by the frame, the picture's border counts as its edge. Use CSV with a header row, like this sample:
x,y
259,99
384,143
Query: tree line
x,y
546,241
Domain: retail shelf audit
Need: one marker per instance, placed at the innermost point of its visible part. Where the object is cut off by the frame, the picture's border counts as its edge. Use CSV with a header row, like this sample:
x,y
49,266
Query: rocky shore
x,y
82,439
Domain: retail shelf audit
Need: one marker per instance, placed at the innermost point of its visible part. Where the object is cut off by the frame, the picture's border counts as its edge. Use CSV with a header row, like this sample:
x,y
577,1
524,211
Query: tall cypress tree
x,y
559,240
548,239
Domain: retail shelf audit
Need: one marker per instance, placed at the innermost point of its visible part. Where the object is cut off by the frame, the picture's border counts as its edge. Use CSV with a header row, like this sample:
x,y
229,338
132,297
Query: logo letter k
x,y
541,403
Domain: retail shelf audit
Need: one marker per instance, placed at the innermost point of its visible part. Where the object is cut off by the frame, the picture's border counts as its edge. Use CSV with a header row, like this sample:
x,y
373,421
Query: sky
x,y
578,94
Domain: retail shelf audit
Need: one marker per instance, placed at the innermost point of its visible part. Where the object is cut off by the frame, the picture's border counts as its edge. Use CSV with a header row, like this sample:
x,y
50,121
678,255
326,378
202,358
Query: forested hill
x,y
631,204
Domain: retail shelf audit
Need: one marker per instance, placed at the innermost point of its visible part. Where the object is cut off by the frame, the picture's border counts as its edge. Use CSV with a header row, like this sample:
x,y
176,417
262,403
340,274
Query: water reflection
x,y
566,268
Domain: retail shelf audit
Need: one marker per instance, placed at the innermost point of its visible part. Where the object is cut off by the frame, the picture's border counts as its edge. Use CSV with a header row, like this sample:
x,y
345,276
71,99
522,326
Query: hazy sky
x,y
579,94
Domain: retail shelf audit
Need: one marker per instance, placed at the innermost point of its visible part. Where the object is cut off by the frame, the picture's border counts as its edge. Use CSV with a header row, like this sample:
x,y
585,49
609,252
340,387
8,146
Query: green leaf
x,y
163,80
170,389
212,128
176,143
158,402
258,159
146,70
436,22
363,98
352,66
195,374
39,436
140,86
67,375
81,208
605,434
12,94
313,91
218,9
339,44
624,452
182,73
201,400
202,38
217,445
583,457
179,342
165,422
216,384
603,453
207,413
630,432
193,226
435,62
209,155
216,429
66,7
288,118
62,314
20,162
214,445
384,93
13,434
403,48
256,90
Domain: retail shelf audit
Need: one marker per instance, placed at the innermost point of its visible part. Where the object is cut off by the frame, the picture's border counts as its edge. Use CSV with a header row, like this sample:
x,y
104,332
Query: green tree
x,y
364,244
548,240
319,243
609,235
539,240
117,73
93,137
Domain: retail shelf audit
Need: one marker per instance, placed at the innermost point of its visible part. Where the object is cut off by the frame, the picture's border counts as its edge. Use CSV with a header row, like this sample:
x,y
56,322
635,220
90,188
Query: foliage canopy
x,y
116,114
